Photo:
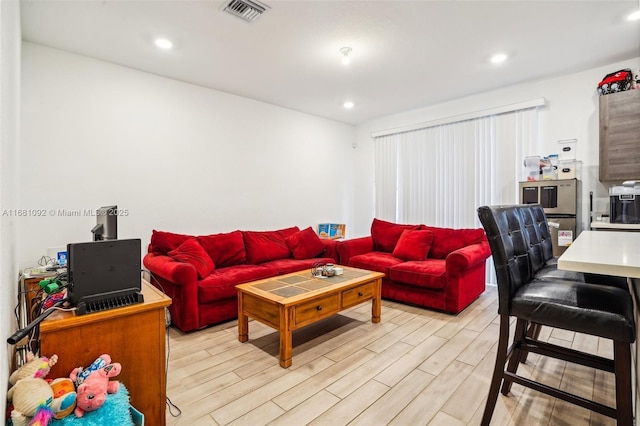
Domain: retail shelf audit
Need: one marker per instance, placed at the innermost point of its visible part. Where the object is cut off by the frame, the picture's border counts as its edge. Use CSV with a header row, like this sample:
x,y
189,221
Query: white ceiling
x,y
406,54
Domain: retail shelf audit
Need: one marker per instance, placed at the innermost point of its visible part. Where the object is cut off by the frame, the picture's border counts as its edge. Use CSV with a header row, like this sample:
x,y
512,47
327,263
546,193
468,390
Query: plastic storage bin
x,y
567,149
549,173
567,169
532,168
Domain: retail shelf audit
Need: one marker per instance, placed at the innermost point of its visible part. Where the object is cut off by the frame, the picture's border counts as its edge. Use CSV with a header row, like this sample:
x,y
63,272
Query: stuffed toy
x,y
31,398
34,367
30,394
93,384
64,397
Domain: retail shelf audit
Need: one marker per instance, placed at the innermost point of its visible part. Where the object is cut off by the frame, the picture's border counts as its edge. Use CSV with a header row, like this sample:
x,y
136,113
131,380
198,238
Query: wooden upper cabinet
x,y
620,136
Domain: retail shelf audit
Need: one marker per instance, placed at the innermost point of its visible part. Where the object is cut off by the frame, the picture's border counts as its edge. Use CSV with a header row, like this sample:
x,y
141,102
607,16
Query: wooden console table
x,y
133,335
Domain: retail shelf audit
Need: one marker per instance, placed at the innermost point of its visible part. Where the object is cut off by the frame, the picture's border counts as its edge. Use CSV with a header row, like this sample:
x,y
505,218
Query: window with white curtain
x,y
439,175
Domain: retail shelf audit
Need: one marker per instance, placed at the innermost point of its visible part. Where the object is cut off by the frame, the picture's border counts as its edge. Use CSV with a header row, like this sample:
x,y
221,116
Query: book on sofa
x,y
332,230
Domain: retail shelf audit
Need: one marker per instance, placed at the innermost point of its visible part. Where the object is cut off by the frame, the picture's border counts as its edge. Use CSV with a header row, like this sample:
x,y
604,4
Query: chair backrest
x,y
537,236
509,243
544,234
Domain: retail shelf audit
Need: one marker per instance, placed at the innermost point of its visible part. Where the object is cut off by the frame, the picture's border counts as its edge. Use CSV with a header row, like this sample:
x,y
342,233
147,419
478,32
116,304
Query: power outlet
x,y
167,318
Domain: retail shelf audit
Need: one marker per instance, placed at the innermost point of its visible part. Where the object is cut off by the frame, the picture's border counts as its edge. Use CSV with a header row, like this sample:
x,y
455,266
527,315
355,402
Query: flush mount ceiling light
x,y
163,43
498,58
346,51
348,104
634,16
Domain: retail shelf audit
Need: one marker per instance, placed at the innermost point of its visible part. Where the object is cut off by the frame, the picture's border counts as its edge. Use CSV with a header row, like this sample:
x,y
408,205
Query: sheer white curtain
x,y
440,175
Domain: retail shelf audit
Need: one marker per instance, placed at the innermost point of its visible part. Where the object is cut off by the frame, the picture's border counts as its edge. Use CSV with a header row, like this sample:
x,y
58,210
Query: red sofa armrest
x,y
330,249
353,247
461,260
164,266
179,281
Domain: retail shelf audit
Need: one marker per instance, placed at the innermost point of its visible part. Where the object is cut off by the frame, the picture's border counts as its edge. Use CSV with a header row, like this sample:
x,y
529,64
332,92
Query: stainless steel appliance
x,y
625,203
559,199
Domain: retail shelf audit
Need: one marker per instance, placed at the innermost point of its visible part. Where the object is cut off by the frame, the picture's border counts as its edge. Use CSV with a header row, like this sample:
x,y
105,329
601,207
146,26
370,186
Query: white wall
x,y
187,159
9,134
571,113
177,156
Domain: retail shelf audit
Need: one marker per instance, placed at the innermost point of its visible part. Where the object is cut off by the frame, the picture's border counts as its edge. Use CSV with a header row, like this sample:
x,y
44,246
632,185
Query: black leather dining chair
x,y
543,262
595,309
545,265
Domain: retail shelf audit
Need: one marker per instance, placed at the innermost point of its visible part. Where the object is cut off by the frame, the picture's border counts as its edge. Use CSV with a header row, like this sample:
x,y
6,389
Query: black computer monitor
x,y
106,224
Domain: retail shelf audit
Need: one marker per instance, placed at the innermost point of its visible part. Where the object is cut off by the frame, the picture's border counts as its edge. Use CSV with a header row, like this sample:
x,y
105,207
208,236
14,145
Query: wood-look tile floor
x,y
416,367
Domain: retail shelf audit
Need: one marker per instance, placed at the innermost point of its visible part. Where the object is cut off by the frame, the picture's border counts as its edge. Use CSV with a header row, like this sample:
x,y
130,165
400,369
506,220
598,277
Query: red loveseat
x,y
200,273
438,268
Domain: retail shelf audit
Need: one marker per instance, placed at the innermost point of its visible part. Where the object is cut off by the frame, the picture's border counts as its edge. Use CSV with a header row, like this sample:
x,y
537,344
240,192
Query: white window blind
x,y
440,175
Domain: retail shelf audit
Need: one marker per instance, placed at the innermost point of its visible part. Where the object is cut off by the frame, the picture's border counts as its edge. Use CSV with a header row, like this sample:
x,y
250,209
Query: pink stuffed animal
x,y
93,384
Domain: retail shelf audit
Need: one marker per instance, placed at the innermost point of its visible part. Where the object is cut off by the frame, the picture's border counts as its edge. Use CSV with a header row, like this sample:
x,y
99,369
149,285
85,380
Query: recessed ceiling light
x,y
498,58
163,43
348,104
634,16
346,51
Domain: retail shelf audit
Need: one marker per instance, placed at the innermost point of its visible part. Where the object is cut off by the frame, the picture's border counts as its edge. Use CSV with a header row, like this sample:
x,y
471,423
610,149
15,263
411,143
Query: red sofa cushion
x,y
191,252
375,261
286,232
163,242
386,234
429,273
446,240
225,249
221,284
305,244
413,245
263,246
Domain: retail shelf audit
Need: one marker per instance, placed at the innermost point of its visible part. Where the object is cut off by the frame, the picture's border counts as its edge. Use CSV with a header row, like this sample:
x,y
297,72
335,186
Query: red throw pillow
x,y
446,240
225,249
263,246
163,242
413,245
192,252
305,244
287,232
386,234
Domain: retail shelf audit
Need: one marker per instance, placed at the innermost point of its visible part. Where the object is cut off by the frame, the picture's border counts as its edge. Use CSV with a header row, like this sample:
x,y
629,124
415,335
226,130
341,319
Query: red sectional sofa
x,y
200,273
438,268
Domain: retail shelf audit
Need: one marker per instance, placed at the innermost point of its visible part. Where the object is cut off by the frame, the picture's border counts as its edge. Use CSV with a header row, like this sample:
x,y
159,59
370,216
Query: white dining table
x,y
604,252
610,253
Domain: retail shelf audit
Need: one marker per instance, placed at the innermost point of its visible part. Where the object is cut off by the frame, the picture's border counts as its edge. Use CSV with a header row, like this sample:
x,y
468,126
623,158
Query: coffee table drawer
x,y
356,295
316,309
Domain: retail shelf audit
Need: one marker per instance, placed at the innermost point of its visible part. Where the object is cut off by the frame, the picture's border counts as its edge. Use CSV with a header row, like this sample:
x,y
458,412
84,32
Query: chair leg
x,y
514,360
622,365
498,371
533,332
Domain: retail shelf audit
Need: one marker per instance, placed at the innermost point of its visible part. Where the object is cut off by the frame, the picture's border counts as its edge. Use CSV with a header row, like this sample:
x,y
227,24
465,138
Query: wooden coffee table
x,y
292,301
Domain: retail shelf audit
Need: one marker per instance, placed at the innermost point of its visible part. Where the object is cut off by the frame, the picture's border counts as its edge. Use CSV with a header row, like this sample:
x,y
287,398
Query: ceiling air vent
x,y
247,10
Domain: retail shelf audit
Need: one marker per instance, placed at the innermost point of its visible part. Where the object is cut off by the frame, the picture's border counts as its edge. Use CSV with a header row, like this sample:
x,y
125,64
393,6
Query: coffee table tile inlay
x,y
292,301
